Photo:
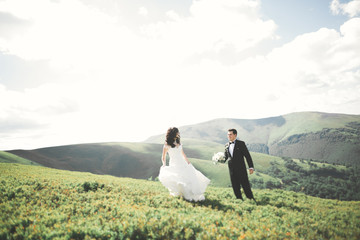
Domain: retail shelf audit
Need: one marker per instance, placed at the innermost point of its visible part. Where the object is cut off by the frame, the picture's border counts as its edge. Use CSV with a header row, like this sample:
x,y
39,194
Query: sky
x,y
89,71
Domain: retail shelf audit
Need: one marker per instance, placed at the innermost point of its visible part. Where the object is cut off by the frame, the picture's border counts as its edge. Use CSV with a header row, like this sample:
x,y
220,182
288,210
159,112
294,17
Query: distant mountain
x,y
327,137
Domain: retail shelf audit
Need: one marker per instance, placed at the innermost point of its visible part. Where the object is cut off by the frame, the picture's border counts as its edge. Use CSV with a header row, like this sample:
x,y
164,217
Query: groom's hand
x,y
251,170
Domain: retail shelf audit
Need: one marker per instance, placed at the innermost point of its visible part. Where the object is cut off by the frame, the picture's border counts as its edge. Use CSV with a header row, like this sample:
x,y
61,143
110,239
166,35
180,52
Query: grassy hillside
x,y
118,159
337,145
315,179
38,202
219,174
142,161
311,122
6,157
333,138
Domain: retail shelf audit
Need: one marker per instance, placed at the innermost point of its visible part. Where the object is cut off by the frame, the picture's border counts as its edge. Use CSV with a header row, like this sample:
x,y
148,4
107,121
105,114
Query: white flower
x,y
218,157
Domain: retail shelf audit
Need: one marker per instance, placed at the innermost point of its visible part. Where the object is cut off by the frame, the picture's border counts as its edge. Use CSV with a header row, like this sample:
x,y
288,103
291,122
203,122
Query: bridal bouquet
x,y
218,158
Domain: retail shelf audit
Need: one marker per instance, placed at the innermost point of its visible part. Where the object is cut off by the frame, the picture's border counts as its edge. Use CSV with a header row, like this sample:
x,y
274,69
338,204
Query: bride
x,y
180,177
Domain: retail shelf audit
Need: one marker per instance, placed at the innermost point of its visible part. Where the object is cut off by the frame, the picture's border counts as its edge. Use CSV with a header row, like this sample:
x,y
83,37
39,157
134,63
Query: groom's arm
x,y
248,157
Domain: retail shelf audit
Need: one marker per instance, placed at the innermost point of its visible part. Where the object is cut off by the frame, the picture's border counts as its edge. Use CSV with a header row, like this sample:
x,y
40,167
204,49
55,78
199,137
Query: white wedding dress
x,y
181,178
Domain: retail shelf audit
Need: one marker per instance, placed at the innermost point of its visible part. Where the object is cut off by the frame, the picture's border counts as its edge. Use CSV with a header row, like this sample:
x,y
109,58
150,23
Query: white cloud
x,y
352,8
66,32
212,26
143,11
37,104
75,36
320,67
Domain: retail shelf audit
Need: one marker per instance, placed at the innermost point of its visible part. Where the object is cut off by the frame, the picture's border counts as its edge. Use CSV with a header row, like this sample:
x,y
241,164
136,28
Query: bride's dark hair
x,y
171,137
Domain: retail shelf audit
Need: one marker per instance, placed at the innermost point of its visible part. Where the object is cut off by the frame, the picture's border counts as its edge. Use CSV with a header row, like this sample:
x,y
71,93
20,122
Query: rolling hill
x,y
325,137
118,159
135,160
6,157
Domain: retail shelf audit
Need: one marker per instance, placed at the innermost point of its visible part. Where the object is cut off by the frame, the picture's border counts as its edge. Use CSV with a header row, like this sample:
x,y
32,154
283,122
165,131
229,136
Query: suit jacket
x,y
237,162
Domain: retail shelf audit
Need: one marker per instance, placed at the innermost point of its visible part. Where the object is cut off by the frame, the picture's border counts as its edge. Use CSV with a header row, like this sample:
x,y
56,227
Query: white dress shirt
x,y
231,148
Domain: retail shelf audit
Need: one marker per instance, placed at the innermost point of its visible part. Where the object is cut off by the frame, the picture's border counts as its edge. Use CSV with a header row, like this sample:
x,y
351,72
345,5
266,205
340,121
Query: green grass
x,y
38,202
6,157
218,174
136,147
306,166
262,161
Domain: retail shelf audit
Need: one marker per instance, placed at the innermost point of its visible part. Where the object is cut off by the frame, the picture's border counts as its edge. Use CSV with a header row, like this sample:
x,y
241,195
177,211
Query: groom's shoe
x,y
255,201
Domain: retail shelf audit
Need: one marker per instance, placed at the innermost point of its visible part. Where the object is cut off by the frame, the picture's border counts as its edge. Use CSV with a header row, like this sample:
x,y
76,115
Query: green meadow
x,y
6,157
45,203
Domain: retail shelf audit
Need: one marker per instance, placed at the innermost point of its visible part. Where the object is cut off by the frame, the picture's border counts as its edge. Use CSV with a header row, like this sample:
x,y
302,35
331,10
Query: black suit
x,y
237,168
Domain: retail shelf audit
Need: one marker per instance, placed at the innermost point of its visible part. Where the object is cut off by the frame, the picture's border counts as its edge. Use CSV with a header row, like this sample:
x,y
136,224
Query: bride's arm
x,y
182,151
163,157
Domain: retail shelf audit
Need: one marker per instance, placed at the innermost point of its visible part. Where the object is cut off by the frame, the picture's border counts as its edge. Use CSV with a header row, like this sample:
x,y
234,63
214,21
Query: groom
x,y
235,151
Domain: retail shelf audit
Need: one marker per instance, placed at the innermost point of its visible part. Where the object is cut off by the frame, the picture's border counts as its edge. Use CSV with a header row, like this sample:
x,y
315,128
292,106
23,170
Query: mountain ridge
x,y
329,137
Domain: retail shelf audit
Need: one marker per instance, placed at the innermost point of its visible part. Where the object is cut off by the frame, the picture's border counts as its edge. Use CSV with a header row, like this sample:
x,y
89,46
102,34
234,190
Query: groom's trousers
x,y
239,178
